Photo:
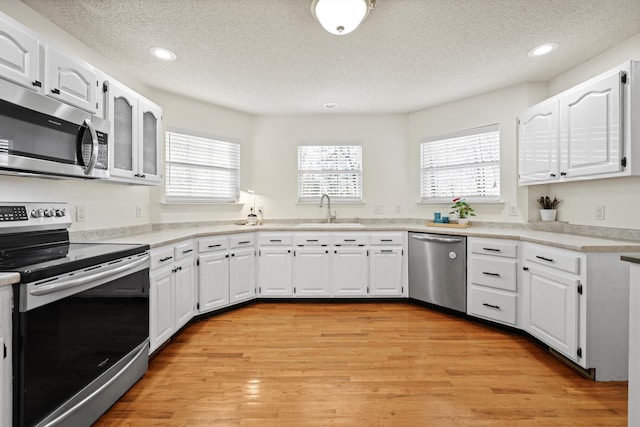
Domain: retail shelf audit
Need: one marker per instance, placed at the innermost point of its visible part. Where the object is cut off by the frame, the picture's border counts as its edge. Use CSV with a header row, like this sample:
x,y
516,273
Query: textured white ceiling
x,y
272,57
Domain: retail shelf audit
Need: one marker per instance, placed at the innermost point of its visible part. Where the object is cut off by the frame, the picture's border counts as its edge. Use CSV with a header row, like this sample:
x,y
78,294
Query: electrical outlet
x,y
513,210
599,213
138,211
378,210
81,214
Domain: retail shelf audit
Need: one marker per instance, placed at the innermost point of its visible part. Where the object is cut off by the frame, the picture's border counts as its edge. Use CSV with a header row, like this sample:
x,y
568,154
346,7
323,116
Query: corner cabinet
x,y
585,132
135,143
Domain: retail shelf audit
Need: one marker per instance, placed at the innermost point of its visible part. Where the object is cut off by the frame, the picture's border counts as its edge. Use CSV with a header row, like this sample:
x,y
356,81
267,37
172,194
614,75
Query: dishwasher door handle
x,y
435,239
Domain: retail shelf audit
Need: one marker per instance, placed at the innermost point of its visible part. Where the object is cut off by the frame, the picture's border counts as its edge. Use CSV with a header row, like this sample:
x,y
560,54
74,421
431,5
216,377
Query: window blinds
x,y
332,169
201,169
466,164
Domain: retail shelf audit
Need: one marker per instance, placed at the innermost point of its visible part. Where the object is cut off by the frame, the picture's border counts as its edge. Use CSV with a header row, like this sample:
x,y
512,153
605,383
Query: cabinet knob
x,y
553,175
563,173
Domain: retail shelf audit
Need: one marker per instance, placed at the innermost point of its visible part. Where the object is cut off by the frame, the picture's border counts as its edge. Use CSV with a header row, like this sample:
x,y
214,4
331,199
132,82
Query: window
x,y
465,164
332,169
201,169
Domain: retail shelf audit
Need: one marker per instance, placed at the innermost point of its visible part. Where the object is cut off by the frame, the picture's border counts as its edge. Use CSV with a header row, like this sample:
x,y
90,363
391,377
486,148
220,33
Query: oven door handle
x,y
55,287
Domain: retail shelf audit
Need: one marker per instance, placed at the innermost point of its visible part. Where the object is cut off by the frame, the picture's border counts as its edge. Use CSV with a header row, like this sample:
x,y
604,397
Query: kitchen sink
x,y
329,225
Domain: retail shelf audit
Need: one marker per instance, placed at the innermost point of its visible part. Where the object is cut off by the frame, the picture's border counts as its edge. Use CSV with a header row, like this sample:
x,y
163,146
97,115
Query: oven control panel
x,y
33,216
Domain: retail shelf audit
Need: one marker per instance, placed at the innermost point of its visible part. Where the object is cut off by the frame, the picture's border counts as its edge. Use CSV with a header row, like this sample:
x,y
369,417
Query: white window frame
x,y
486,160
327,175
202,158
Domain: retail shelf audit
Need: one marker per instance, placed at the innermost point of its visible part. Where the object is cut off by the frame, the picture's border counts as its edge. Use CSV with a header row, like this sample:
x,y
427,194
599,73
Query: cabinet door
x,y
150,138
70,80
349,272
213,280
19,56
160,307
5,362
183,292
122,112
538,142
591,128
311,272
242,276
385,271
276,272
551,309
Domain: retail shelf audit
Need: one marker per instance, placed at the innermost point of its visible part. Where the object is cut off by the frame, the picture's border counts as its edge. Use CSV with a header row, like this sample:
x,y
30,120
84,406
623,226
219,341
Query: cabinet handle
x,y
312,240
56,91
166,259
349,240
563,173
187,251
386,240
491,249
386,251
233,254
544,259
214,246
497,307
226,256
244,242
36,83
275,241
553,175
490,274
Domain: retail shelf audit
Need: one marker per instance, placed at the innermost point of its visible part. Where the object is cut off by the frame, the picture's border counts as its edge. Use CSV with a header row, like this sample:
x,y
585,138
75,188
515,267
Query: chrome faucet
x,y
329,216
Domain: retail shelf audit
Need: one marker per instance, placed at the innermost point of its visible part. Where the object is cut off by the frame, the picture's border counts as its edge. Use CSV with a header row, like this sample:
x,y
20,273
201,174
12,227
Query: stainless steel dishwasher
x,y
438,270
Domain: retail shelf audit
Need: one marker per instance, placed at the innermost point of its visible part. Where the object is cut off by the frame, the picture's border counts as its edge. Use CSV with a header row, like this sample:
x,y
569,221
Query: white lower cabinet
x,y
6,376
226,271
171,291
275,265
350,272
493,291
386,264
311,272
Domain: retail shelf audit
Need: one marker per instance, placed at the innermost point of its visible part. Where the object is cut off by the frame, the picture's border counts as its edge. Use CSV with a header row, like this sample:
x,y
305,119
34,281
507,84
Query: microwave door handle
x,y
94,146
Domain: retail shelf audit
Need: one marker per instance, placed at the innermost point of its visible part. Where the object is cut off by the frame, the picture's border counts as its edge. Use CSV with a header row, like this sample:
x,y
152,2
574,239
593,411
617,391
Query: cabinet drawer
x,y
161,257
494,247
242,241
349,239
275,239
560,259
492,304
183,250
208,244
494,272
386,238
311,239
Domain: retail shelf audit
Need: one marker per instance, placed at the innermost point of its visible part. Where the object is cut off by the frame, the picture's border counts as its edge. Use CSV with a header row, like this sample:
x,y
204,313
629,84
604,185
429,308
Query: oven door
x,y
75,333
40,135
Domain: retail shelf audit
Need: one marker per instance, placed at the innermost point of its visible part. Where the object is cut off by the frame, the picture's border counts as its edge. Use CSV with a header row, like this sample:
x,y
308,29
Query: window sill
x,y
334,203
470,201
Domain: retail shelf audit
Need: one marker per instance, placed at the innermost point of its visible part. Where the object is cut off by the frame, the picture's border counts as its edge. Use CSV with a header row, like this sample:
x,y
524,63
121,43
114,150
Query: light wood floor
x,y
382,364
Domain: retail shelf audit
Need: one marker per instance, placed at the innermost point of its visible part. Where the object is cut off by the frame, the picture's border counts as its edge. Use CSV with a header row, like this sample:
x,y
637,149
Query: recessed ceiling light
x,y
543,49
162,53
329,105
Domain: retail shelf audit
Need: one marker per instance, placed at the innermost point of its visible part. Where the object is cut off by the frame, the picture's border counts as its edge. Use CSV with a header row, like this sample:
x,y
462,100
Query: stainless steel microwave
x,y
43,136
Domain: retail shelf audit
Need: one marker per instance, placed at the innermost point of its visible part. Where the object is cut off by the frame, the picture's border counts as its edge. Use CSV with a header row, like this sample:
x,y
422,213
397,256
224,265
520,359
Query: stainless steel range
x,y
80,321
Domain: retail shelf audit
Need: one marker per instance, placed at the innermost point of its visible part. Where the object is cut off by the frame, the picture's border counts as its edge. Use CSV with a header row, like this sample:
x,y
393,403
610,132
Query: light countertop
x,y
7,279
561,240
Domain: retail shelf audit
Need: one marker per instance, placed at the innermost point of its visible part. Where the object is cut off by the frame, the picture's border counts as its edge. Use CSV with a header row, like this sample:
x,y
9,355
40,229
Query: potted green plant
x,y
548,211
462,209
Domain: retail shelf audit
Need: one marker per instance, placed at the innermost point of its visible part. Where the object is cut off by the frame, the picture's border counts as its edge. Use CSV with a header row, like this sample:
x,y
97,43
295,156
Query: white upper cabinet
x,y
136,135
538,136
590,126
70,80
19,56
585,132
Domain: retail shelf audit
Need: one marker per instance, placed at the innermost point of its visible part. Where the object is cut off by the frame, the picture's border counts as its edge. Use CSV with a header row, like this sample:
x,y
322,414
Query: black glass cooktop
x,y
46,255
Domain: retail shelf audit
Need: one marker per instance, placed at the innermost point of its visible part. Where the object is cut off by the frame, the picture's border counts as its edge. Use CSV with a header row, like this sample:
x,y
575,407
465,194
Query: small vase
x,y
463,221
548,214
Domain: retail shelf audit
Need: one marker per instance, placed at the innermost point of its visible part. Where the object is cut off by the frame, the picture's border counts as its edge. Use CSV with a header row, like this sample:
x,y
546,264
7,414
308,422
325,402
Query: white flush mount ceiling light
x,y
543,49
162,53
341,17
